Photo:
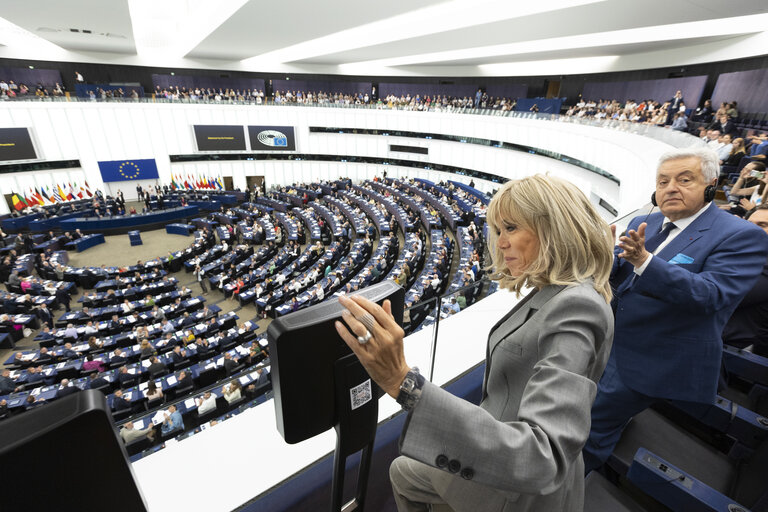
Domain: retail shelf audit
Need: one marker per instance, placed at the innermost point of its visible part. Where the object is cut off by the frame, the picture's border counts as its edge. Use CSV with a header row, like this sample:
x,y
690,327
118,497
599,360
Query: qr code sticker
x,y
361,394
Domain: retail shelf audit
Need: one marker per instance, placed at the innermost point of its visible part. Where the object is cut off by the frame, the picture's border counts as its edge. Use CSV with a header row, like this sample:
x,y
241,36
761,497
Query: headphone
x,y
709,195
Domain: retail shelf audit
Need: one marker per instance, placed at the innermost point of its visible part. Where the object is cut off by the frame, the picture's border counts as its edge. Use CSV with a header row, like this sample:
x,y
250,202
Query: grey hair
x,y
710,163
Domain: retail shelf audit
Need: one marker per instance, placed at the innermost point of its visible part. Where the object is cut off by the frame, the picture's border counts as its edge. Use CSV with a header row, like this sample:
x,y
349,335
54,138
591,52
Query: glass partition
x,y
663,134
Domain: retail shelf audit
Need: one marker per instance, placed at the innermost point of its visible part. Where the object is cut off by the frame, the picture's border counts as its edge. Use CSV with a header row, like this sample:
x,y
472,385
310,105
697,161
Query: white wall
x,y
98,131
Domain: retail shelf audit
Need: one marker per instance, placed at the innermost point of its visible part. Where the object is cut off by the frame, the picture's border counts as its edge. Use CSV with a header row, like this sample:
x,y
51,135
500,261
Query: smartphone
x,y
757,174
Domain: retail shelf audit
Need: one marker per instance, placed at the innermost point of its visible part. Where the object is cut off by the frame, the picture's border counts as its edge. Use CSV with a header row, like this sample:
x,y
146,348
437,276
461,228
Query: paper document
x,y
171,380
189,403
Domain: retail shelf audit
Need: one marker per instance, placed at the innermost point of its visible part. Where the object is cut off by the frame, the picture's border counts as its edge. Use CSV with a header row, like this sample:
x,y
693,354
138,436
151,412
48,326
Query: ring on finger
x,y
365,339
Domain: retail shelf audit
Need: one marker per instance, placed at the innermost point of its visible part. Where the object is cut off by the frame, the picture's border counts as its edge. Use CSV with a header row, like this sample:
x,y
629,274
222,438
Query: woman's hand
x,y
382,356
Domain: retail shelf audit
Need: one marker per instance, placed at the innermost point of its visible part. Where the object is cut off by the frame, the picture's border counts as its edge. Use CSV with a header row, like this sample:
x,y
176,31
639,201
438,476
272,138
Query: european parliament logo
x,y
273,138
128,170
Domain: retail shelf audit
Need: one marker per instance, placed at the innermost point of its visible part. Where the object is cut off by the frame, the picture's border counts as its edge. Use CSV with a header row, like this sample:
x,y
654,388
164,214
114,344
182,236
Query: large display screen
x,y
272,138
223,137
16,144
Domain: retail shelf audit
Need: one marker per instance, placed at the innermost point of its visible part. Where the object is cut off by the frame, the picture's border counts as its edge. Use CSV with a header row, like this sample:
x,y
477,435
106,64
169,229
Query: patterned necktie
x,y
656,240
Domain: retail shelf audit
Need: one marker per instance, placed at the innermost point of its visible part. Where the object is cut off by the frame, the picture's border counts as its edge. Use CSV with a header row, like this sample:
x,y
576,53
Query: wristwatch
x,y
410,389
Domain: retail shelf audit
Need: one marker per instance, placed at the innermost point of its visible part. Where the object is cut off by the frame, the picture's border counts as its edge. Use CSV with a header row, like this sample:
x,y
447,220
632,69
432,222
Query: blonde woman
x,y
521,448
233,391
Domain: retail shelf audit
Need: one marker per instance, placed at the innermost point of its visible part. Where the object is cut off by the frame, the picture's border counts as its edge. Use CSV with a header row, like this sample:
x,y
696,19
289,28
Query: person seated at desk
x,y
43,357
452,307
67,352
123,375
67,237
97,381
185,380
149,301
130,434
32,401
172,421
177,355
91,364
114,325
119,403
7,385
230,363
188,337
186,320
169,341
90,329
127,307
70,332
168,327
35,375
146,349
155,366
66,389
110,299
157,314
84,313
94,344
14,279
232,391
153,392
206,403
203,347
118,357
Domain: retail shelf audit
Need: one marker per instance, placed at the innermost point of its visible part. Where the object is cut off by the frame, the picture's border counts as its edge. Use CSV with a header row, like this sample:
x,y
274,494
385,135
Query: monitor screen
x,y
67,455
303,347
219,137
272,138
16,144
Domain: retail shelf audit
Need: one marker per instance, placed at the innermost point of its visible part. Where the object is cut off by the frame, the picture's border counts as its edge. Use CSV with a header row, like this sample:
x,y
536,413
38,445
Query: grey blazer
x,y
521,450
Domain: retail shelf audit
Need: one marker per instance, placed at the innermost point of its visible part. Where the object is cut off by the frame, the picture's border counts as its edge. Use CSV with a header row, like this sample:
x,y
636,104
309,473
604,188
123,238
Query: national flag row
x,y
190,182
43,195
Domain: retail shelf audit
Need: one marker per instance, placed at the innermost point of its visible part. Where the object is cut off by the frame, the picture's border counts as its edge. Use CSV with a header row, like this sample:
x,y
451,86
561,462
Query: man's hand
x,y
634,246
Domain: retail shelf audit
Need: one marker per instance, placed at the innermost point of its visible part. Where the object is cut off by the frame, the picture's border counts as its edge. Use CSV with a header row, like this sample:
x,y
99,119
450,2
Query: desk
x,y
129,221
86,242
179,229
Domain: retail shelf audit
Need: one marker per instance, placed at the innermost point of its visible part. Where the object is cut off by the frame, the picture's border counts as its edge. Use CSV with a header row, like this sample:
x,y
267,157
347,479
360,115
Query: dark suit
x,y
61,393
176,358
229,365
120,403
186,382
749,323
117,360
156,368
98,382
669,320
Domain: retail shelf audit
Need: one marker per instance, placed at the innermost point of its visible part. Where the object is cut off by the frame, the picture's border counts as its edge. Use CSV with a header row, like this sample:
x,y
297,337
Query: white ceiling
x,y
396,37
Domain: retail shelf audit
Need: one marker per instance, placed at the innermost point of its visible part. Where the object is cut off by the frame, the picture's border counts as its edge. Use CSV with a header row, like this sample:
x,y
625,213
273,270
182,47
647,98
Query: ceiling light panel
x,y
678,31
443,17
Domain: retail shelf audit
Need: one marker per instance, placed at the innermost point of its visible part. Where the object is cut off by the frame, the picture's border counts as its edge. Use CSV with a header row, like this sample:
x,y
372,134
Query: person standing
x,y
200,275
678,276
544,359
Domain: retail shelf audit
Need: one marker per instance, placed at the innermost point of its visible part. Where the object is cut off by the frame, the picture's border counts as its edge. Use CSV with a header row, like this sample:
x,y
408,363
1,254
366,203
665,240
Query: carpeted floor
x,y
117,251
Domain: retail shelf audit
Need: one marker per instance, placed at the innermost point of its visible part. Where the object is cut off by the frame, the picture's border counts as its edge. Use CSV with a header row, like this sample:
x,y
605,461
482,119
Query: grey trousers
x,y
413,487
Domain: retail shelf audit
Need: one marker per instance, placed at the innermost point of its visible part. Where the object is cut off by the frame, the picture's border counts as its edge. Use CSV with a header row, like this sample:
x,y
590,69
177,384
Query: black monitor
x,y
303,348
67,455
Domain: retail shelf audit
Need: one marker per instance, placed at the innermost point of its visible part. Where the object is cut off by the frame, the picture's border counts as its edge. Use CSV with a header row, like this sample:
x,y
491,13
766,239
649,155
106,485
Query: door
x,y
228,183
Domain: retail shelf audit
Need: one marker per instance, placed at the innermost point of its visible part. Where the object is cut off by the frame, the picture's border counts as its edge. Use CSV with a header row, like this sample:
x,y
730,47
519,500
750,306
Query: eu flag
x,y
126,170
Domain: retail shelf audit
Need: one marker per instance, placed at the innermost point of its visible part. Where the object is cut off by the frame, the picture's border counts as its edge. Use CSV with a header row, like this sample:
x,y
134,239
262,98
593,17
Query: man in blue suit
x,y
677,277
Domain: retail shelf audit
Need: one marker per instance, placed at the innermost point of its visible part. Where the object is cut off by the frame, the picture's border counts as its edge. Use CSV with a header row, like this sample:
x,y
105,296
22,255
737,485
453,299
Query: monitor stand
x,y
357,411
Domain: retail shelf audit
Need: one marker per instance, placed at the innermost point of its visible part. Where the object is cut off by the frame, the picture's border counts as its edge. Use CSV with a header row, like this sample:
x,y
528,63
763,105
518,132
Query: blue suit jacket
x,y
670,319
